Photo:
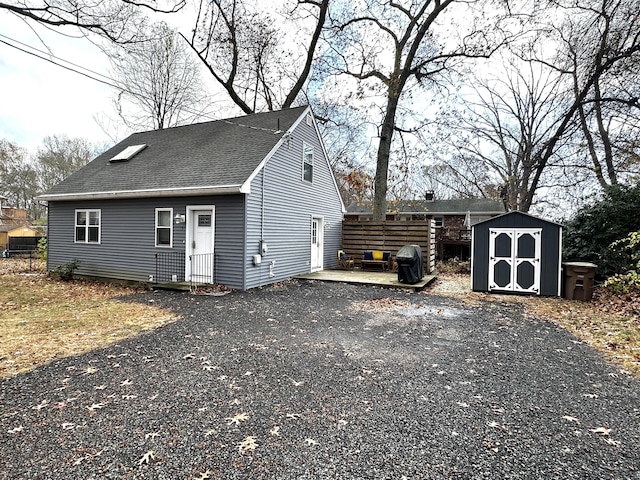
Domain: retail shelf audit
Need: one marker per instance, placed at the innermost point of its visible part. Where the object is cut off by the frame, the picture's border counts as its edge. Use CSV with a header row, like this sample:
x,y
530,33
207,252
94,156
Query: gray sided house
x,y
243,202
517,253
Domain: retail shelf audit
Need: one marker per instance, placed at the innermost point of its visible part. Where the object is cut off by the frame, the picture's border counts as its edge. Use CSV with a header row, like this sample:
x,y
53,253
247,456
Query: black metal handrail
x,y
202,269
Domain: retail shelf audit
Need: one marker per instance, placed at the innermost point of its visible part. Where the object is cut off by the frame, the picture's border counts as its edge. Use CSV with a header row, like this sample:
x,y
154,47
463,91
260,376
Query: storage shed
x,y
516,253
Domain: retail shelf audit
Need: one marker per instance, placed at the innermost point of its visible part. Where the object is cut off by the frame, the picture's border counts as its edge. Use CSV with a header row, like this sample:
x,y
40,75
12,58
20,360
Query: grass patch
x,y
609,322
42,319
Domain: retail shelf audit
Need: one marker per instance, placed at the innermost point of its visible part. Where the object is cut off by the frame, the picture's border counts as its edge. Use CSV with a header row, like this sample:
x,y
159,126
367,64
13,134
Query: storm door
x,y
200,236
317,243
514,259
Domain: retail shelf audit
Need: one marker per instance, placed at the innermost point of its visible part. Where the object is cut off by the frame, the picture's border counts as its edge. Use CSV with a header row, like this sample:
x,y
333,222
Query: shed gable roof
x,y
517,215
211,157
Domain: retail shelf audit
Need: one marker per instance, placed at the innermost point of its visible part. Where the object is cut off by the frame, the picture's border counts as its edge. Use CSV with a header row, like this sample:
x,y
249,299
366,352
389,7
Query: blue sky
x,y
38,98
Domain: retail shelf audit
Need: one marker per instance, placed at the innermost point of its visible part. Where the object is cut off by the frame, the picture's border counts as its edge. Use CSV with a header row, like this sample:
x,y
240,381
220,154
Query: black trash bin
x,y
410,268
578,280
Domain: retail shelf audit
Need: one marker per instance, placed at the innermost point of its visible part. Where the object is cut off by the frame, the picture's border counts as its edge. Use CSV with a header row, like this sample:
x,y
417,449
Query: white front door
x,y
514,259
317,250
200,248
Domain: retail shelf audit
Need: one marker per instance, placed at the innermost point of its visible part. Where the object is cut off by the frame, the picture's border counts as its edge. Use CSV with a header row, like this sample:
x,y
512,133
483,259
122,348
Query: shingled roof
x,y
204,158
456,206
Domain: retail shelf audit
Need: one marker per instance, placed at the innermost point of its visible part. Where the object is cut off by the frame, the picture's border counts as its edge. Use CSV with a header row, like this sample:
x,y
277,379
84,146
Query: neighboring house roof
x,y
8,228
204,158
456,206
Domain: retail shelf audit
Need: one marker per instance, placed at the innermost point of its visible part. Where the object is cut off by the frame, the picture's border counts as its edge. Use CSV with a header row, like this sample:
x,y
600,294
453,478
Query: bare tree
x,y
505,121
608,115
60,156
248,52
598,41
117,20
533,124
159,81
391,47
18,178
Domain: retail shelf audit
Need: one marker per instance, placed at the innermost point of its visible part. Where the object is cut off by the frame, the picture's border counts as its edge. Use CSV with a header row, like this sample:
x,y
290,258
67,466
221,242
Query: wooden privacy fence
x,y
358,236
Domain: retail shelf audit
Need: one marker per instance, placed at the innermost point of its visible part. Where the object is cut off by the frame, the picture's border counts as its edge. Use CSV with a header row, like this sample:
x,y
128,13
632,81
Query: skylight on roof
x,y
128,153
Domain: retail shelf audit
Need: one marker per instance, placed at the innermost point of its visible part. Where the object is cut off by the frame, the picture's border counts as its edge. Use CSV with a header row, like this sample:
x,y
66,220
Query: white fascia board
x,y
145,193
246,186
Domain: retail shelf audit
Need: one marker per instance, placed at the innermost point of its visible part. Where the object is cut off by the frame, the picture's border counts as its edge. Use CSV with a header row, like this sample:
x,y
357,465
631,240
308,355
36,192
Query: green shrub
x,y
627,249
65,271
623,283
42,248
591,235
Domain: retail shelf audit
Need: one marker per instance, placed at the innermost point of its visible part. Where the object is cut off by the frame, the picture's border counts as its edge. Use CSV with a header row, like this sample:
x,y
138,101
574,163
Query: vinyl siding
x,y
127,247
289,205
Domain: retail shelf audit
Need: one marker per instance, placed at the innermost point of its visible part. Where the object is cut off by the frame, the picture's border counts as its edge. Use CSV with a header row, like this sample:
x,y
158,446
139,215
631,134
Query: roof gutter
x,y
146,193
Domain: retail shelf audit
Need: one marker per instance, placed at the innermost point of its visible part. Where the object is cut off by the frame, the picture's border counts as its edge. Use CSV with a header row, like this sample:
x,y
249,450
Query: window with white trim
x,y
439,222
164,227
307,162
87,226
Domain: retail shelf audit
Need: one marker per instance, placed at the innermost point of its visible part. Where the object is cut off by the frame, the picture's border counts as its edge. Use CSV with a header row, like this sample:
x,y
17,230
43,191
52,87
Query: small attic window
x,y
309,120
128,153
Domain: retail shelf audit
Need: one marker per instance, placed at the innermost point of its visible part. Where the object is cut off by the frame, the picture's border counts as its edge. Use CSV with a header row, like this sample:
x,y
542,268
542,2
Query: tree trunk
x,y
382,163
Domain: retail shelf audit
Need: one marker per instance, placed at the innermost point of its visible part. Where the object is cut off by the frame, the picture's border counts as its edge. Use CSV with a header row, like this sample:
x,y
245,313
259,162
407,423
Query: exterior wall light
x,y
179,218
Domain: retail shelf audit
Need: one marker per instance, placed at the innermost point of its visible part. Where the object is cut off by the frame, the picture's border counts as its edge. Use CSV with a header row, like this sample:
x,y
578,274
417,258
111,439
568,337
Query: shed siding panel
x,y
127,249
289,205
480,258
550,255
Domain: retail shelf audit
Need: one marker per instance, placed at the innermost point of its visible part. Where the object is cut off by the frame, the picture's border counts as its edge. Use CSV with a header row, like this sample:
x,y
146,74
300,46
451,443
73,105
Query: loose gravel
x,y
311,380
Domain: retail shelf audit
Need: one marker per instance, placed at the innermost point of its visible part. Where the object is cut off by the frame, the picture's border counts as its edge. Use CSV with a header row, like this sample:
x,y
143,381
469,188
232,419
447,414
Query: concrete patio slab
x,y
383,279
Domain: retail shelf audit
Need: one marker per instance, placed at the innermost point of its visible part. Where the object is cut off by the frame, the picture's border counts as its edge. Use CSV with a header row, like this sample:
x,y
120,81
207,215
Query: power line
x,y
60,65
48,54
109,83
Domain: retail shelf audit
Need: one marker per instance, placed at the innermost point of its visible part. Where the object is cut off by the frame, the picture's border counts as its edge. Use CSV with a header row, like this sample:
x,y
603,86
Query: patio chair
x,y
344,261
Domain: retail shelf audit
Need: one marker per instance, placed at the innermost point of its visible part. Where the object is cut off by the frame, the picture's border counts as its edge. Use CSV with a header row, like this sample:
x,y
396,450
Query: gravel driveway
x,y
327,381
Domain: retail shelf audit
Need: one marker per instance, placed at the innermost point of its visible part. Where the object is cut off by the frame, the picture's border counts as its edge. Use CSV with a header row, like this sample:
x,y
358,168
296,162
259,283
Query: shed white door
x,y
201,228
317,248
514,259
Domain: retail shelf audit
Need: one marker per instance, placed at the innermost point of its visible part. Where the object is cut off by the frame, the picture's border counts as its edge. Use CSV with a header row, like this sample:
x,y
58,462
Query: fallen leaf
x,y
236,419
16,430
601,430
203,476
310,441
247,444
275,431
95,406
41,405
570,419
147,457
